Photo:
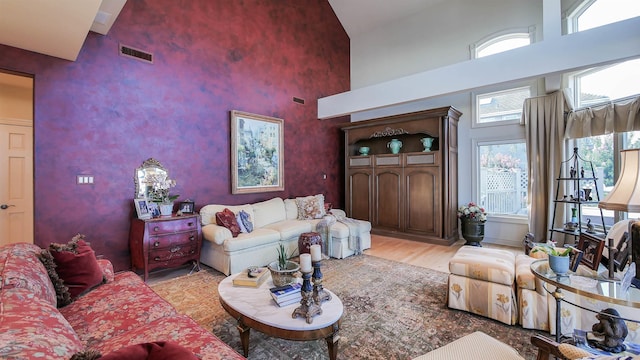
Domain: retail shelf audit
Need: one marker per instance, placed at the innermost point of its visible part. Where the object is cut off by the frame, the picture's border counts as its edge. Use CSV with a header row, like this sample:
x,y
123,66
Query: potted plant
x,y
283,271
558,257
159,186
472,218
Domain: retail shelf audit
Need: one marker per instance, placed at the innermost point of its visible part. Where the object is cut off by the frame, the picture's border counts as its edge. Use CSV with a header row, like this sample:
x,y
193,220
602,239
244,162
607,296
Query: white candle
x,y
316,253
305,263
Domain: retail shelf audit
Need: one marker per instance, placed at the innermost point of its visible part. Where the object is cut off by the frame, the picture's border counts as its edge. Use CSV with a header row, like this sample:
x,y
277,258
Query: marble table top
x,y
257,304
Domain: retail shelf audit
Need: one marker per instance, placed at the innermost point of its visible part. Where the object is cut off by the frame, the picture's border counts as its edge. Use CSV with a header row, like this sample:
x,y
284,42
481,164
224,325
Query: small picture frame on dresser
x,y
187,207
154,209
142,208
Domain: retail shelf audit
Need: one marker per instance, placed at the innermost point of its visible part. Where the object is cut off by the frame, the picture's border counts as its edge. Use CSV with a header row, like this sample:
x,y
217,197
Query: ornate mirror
x,y
149,169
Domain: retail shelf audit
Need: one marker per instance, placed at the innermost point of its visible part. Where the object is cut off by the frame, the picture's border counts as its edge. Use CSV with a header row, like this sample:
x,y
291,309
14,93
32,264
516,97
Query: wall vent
x,y
137,54
298,100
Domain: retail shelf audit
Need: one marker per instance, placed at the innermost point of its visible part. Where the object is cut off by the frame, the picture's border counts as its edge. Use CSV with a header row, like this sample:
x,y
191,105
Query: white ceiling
x,y
59,28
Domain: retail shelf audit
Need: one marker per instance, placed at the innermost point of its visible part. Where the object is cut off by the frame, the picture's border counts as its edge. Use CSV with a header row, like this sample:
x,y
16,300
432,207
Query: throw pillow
x,y
227,219
246,220
310,207
77,266
63,296
160,350
240,224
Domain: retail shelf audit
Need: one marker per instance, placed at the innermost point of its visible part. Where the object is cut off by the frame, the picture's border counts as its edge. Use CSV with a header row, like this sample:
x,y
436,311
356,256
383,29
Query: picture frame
x,y
257,153
591,248
575,256
142,208
187,207
623,249
154,209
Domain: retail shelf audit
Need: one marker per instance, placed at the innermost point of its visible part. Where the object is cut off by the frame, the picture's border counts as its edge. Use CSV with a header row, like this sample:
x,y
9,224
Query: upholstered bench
x,y
477,345
481,281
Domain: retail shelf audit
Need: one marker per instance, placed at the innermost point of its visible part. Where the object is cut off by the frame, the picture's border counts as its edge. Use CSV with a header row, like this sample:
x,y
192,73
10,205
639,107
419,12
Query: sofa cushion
x,y
32,328
310,207
289,229
291,209
227,219
208,212
115,308
21,268
268,212
177,328
259,237
62,291
160,350
77,266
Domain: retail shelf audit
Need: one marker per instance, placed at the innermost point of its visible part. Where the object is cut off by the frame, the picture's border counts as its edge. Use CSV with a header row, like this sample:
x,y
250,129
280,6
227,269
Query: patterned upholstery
x,y
532,298
482,282
477,345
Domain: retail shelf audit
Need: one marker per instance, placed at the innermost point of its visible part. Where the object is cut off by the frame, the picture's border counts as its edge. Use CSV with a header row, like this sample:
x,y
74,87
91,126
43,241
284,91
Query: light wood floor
x,y
417,253
435,257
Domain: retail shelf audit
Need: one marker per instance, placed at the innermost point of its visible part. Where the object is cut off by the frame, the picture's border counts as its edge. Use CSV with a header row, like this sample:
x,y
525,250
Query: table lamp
x,y
625,196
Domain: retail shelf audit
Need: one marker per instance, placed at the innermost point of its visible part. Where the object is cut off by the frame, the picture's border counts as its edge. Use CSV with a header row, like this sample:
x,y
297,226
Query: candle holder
x,y
320,295
308,308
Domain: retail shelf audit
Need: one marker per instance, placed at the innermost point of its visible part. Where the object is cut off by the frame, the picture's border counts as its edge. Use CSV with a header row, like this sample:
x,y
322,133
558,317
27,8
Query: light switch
x,y
84,179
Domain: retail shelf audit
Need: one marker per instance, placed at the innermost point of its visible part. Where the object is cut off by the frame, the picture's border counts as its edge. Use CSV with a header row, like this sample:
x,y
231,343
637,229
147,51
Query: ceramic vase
x,y
364,150
394,145
286,276
427,142
472,231
559,264
166,209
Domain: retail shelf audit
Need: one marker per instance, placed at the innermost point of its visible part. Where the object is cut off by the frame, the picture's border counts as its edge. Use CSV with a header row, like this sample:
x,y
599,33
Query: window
x,y
503,177
505,105
503,41
589,14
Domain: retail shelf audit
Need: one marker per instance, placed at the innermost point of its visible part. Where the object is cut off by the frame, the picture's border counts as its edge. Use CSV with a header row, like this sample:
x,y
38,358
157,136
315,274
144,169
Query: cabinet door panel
x,y
423,201
359,196
388,194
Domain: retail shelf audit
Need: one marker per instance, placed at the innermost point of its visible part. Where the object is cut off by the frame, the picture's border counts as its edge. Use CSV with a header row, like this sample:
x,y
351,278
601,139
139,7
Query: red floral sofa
x,y
118,314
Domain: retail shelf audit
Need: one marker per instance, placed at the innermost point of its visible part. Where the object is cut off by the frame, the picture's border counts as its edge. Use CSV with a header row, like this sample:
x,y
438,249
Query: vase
x,y
394,145
559,264
427,142
166,209
286,276
472,231
364,150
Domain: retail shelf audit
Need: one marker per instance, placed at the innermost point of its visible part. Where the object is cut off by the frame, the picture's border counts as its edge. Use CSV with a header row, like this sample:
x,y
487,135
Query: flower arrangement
x,y
472,211
551,250
158,186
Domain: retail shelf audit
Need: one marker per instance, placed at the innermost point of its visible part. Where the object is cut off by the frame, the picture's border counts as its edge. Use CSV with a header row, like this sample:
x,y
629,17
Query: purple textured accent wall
x,y
105,114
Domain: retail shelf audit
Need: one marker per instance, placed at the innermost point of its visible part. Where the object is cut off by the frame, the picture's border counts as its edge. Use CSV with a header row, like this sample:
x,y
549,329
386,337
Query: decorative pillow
x,y
246,220
240,224
160,350
310,207
227,219
77,266
63,297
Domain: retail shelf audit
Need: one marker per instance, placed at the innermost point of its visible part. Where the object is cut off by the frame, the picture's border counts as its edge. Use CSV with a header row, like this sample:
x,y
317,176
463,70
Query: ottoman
x,y
481,281
477,345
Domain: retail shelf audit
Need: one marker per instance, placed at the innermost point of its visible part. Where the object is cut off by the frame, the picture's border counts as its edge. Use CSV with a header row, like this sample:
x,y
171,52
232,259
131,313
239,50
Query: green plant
x,y
282,257
552,250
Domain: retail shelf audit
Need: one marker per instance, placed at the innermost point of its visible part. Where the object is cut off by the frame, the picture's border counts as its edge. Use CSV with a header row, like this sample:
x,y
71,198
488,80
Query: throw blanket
x,y
354,233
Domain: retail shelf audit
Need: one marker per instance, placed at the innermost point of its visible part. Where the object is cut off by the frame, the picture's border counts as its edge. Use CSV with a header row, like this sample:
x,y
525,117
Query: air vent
x,y
137,54
298,100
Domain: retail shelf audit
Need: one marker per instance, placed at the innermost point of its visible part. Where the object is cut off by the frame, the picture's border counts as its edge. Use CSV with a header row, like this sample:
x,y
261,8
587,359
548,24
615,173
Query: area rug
x,y
392,311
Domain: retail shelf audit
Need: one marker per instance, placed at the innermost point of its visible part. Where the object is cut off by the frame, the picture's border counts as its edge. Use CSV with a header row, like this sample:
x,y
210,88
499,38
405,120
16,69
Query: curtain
x,y
615,117
543,118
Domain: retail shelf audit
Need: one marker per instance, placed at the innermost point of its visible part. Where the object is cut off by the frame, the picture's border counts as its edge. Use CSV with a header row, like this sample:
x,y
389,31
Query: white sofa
x,y
275,222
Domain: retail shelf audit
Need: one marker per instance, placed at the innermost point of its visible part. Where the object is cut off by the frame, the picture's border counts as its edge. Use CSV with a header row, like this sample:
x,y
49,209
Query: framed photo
x,y
142,208
574,258
153,208
187,207
257,153
623,249
591,247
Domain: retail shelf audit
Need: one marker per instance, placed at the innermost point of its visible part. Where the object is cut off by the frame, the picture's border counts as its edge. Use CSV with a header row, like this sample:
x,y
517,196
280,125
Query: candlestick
x,y
308,308
305,263
320,295
316,253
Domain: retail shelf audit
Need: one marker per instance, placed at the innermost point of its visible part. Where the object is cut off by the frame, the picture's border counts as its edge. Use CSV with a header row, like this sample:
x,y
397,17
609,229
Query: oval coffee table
x,y
255,309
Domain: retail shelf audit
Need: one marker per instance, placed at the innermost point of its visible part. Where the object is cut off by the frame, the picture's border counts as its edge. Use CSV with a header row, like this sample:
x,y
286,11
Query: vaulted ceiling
x,y
59,28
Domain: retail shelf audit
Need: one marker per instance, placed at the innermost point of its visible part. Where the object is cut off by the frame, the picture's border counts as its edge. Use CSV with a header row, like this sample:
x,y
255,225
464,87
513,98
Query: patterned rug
x,y
392,311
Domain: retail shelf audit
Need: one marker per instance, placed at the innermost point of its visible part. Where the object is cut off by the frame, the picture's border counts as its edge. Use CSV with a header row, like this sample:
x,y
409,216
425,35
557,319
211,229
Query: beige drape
x,y
544,122
615,117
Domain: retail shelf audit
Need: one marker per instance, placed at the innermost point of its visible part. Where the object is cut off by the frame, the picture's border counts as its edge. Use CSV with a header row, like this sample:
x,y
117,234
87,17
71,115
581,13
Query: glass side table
x,y
592,286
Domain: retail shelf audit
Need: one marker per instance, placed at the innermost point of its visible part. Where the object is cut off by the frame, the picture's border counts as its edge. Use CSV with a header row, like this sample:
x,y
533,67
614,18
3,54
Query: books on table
x,y
253,279
286,295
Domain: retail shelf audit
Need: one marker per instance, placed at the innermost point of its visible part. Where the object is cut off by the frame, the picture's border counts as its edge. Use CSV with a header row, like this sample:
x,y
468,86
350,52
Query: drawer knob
x,y
156,228
156,244
175,249
191,238
157,258
190,223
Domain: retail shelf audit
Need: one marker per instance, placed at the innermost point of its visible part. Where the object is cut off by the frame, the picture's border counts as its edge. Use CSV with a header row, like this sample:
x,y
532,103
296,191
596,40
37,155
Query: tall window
x,y
503,178
589,14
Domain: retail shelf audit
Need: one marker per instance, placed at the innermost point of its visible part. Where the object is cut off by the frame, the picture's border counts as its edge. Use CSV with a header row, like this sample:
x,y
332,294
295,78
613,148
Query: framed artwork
x,y
257,153
153,208
187,207
142,208
591,247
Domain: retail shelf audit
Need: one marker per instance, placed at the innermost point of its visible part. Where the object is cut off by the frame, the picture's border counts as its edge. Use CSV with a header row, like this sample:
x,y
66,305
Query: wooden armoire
x,y
412,194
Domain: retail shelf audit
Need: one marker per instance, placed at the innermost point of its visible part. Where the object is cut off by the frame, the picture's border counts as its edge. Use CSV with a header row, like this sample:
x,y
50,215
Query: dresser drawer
x,y
164,227
174,253
163,241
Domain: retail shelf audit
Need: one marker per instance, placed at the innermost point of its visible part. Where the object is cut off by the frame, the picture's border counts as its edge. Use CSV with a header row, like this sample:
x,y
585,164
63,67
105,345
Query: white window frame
x,y
475,177
517,33
574,13
475,103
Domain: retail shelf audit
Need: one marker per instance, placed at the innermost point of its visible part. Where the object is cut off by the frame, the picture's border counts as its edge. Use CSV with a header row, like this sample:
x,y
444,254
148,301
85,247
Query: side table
x,y
603,290
165,242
